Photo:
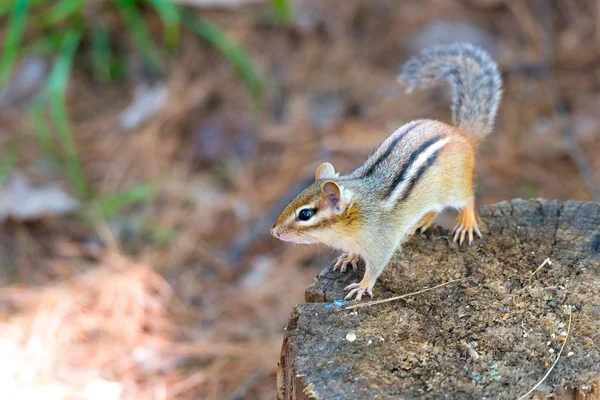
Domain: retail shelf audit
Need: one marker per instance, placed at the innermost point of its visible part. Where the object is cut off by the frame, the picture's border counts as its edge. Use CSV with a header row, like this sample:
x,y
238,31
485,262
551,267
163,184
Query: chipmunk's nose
x,y
274,232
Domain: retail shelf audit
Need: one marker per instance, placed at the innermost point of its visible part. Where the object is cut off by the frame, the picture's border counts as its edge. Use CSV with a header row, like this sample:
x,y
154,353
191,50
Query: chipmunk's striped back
x,y
403,160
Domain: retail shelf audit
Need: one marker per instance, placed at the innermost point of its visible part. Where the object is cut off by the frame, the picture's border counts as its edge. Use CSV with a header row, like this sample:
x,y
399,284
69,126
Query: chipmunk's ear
x,y
332,193
325,171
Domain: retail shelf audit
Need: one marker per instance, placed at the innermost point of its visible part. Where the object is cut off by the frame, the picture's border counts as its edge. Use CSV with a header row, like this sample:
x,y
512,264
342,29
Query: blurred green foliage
x,y
108,206
66,29
8,162
235,54
16,28
55,96
283,11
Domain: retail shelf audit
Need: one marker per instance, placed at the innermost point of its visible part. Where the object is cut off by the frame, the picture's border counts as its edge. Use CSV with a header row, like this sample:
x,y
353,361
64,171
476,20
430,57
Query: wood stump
x,y
493,336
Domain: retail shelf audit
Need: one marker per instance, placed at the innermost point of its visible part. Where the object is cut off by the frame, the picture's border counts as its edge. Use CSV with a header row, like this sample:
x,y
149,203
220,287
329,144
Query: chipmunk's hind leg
x,y
460,164
466,224
425,222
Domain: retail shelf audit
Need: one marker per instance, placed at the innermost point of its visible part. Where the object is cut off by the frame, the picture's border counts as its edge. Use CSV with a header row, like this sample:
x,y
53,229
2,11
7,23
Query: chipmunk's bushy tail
x,y
476,82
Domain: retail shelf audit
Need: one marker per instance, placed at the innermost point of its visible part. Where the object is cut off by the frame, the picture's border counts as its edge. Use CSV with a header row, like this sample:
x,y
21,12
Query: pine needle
x,y
546,261
371,303
555,361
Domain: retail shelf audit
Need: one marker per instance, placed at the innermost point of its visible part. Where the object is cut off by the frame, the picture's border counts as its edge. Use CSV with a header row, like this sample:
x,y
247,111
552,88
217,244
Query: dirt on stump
x,y
493,336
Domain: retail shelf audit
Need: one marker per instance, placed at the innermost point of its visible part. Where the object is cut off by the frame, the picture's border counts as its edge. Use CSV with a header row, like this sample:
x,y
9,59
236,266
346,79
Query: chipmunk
x,y
422,168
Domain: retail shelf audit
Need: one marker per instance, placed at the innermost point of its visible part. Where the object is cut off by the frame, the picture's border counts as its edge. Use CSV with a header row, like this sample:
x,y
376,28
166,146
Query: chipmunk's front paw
x,y
359,289
346,259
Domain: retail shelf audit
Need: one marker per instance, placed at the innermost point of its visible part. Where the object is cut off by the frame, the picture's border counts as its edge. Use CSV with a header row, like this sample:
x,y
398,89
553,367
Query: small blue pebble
x,y
336,303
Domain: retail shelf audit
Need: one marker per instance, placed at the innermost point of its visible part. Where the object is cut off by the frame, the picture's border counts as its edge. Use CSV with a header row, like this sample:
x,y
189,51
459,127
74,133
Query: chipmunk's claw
x,y
467,224
358,289
460,232
346,259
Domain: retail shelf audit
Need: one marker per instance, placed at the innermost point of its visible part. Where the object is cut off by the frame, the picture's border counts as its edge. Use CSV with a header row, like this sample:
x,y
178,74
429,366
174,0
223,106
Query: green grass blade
x,y
6,6
110,205
231,51
56,91
42,131
13,39
63,10
59,75
283,11
50,43
101,57
73,168
160,236
139,31
8,162
170,16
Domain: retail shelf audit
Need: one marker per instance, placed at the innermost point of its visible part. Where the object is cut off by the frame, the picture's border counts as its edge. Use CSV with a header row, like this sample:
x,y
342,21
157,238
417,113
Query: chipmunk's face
x,y
309,217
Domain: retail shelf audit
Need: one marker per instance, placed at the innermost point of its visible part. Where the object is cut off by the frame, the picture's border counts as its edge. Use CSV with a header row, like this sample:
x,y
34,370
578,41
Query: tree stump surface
x,y
493,336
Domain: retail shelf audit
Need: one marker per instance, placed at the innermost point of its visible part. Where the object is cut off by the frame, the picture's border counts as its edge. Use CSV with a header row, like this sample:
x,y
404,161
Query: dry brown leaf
x,y
21,201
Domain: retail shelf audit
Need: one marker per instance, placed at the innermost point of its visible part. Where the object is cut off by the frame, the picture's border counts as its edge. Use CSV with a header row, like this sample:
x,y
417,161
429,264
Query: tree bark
x,y
492,336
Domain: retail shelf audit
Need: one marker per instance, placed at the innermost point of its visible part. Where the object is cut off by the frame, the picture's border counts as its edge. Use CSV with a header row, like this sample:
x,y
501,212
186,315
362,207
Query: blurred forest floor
x,y
186,295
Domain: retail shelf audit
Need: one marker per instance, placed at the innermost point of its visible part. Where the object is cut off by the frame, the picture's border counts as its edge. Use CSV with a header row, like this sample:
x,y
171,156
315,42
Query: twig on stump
x,y
372,303
555,361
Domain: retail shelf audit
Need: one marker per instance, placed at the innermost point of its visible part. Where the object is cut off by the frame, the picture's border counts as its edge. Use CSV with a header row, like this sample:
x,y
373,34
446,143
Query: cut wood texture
x,y
493,336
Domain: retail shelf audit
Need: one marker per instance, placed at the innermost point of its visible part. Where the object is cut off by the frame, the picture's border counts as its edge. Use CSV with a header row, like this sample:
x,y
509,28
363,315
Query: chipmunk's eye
x,y
305,214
